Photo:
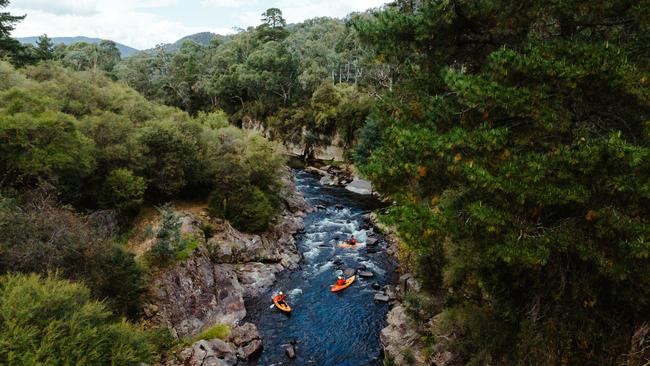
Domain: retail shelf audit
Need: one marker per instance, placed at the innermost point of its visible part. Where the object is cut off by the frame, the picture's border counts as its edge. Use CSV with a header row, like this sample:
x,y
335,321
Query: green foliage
x,y
9,47
44,146
515,142
40,236
88,56
419,306
408,355
45,48
247,183
123,191
168,240
389,361
221,331
45,320
100,144
249,208
270,73
189,246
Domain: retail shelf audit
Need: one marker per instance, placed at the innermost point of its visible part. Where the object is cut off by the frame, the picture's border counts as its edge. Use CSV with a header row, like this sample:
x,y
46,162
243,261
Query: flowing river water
x,y
328,328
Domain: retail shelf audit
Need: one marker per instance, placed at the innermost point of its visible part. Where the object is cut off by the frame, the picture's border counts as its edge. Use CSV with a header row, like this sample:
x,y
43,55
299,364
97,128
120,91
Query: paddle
x,y
272,305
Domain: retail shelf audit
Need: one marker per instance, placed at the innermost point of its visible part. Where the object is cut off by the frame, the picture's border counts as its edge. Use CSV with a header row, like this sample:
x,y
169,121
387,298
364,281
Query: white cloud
x,y
145,23
60,7
227,3
133,28
295,11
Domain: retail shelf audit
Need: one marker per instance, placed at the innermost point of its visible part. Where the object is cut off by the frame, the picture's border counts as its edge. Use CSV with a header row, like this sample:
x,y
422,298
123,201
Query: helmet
x,y
280,293
340,278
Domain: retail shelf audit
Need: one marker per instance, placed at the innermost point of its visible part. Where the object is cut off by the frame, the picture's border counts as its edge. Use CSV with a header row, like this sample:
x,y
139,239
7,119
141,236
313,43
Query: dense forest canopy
x,y
288,77
512,138
515,143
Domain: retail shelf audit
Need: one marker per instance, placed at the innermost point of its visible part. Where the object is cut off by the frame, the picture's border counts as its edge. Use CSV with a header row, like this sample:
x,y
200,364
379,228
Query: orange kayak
x,y
345,245
282,306
348,282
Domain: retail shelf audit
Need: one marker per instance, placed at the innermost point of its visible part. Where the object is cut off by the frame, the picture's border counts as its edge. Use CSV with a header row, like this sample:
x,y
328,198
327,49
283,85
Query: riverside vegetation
x,y
513,139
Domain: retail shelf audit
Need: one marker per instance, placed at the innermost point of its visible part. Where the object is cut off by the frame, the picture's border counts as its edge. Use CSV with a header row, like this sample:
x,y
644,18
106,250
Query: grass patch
x,y
409,356
189,246
221,331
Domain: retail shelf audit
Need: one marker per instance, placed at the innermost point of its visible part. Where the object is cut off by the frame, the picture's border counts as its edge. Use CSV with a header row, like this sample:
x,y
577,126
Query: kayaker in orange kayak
x,y
340,281
280,297
352,240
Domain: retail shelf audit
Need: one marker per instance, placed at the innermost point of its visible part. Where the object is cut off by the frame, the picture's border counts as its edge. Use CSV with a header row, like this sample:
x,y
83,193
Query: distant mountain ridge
x,y
202,38
125,50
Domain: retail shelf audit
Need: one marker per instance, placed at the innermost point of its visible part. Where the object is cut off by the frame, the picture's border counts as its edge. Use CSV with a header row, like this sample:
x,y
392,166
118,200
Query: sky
x,y
145,23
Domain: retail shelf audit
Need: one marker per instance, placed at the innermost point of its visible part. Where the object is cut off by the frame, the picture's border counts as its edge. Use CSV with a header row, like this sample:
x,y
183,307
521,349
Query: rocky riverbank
x,y
403,337
342,177
209,287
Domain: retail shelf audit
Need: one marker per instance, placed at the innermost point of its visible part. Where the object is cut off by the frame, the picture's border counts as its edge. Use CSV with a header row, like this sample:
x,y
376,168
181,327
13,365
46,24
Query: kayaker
x,y
352,240
280,297
340,281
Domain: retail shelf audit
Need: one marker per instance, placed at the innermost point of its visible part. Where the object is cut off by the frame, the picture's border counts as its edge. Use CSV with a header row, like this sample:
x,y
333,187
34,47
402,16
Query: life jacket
x,y
340,282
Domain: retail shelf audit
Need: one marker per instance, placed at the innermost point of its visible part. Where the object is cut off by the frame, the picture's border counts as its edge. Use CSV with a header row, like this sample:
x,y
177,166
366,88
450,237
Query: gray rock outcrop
x,y
360,186
209,286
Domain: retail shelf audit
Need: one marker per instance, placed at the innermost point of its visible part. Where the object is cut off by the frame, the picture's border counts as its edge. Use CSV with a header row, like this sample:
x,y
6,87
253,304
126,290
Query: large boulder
x,y
213,352
257,277
195,294
360,186
191,226
247,340
399,335
314,170
294,201
372,242
229,245
327,180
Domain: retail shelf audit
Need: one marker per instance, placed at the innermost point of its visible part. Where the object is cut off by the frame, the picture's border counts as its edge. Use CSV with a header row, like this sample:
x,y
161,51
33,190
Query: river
x,y
329,328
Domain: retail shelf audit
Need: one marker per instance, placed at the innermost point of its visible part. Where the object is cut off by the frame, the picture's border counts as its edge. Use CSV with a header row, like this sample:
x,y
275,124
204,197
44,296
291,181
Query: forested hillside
x,y
125,51
81,155
515,144
511,139
308,75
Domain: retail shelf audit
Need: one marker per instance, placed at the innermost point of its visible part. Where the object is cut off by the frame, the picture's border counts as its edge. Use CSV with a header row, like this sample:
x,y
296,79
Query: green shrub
x,y
389,361
221,331
170,245
208,230
248,209
48,321
409,356
123,191
418,305
188,246
168,239
38,235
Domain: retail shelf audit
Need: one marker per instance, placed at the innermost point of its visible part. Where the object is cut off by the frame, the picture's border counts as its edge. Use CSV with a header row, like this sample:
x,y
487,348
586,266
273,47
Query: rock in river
x,y
290,351
382,297
248,341
366,274
360,186
372,241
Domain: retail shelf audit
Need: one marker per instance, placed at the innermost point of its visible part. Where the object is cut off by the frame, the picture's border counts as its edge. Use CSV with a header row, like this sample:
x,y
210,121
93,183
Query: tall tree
x,y
273,18
515,143
272,27
45,47
8,46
